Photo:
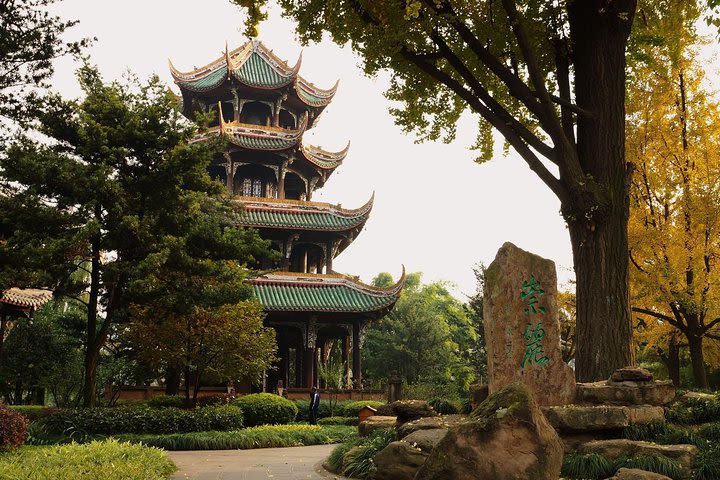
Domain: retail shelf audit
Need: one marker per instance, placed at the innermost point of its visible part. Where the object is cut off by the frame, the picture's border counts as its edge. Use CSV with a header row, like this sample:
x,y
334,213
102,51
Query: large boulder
x,y
428,423
426,440
635,474
506,438
376,422
407,410
398,461
632,374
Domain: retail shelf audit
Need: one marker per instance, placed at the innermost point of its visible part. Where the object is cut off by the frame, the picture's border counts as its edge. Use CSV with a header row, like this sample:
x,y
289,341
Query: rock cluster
x,y
627,386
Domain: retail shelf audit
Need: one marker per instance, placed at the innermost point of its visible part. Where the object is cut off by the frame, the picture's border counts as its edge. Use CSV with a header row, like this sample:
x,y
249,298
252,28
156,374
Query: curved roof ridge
x,y
322,158
315,90
298,205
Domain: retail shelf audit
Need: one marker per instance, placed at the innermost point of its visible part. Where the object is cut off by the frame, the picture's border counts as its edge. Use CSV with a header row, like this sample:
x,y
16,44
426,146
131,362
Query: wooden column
x,y
309,366
298,366
346,358
329,257
357,370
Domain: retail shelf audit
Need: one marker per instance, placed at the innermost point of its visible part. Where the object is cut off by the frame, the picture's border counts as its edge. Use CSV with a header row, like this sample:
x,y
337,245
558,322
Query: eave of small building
x,y
23,300
257,137
301,292
300,215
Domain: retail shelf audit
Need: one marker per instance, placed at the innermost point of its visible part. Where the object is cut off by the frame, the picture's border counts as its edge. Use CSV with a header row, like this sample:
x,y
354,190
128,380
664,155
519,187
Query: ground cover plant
x,y
354,457
99,460
592,466
265,436
338,421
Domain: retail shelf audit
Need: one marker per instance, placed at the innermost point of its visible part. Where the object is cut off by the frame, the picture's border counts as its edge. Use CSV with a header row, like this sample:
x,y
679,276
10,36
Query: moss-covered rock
x,y
506,438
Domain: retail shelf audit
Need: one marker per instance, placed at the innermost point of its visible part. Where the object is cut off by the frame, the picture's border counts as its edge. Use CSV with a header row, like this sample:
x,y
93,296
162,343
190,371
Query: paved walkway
x,y
294,463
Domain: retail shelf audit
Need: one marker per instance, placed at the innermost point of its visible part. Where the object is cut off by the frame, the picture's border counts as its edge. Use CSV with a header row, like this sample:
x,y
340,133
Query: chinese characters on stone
x,y
534,332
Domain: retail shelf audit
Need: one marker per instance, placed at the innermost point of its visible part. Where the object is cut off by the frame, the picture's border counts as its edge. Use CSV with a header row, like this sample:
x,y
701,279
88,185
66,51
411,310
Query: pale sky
x,y
435,210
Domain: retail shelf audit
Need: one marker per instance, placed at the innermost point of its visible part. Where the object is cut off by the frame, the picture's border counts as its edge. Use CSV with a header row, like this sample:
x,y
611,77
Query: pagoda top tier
x,y
249,71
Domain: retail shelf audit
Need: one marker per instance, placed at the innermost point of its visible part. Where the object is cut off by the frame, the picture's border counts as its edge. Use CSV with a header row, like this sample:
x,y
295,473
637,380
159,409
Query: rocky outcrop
x,y
506,438
426,440
626,393
635,474
599,418
375,422
522,327
683,454
429,423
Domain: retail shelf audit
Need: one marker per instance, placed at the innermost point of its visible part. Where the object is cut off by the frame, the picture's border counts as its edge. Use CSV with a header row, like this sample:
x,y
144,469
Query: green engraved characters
x,y
534,333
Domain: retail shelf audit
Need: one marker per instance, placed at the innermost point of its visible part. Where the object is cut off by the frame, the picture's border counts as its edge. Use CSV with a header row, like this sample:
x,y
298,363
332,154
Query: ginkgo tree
x,y
674,141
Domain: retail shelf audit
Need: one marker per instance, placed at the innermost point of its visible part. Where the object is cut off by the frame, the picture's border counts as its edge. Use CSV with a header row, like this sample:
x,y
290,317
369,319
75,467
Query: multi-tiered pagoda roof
x,y
263,107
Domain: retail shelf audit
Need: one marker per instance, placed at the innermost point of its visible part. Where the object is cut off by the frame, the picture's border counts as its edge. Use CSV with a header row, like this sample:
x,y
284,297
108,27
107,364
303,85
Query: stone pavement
x,y
294,463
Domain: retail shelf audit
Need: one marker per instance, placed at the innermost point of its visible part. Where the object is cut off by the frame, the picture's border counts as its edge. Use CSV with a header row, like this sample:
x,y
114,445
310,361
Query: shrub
x,y
338,421
167,401
142,420
334,462
215,400
266,409
444,406
694,411
13,428
106,460
33,412
359,460
590,466
707,464
352,409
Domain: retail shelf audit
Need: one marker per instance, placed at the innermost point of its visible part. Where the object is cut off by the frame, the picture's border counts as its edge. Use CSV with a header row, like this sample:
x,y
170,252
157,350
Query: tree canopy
x,y
550,78
115,189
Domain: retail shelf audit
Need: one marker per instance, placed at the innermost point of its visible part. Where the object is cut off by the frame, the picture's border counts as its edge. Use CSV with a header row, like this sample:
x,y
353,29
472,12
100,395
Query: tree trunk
x,y
599,207
172,380
92,353
697,360
671,359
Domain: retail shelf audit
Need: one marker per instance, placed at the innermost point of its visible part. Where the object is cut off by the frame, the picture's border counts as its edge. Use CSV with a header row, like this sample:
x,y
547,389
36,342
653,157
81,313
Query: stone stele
x,y
522,327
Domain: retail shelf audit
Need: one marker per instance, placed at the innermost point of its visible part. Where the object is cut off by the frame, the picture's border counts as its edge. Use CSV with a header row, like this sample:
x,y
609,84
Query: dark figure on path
x,y
314,405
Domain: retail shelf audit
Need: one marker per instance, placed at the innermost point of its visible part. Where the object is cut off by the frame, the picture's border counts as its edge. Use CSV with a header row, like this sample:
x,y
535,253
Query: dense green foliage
x,y
266,409
99,460
444,406
167,401
694,411
32,412
119,174
596,467
141,420
338,421
13,428
354,458
265,436
428,337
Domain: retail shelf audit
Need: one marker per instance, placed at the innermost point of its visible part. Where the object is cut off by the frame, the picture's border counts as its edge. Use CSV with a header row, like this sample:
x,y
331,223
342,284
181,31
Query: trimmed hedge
x,y
338,421
13,428
33,412
303,407
167,401
266,409
142,420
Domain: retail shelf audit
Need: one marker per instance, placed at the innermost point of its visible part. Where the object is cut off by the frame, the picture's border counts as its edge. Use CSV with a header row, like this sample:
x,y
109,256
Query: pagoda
x,y
263,107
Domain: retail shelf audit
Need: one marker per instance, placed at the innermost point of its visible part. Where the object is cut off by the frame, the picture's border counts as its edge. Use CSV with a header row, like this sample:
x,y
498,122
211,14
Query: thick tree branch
x,y
480,91
657,315
512,137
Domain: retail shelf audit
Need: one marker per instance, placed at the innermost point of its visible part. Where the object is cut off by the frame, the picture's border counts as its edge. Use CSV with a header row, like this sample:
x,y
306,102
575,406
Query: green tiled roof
x,y
209,82
323,159
262,143
255,71
282,214
317,294
310,98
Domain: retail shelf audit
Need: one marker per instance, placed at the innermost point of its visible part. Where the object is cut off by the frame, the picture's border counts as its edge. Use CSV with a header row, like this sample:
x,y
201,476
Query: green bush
x,y
444,406
587,467
106,460
711,432
338,421
141,420
694,411
33,412
707,464
352,409
334,462
13,428
265,436
359,460
167,401
266,409
215,400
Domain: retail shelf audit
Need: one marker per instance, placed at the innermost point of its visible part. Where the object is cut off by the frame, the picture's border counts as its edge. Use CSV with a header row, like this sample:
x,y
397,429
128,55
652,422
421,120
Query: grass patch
x,y
99,460
264,436
352,421
663,433
355,457
653,463
707,464
590,466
